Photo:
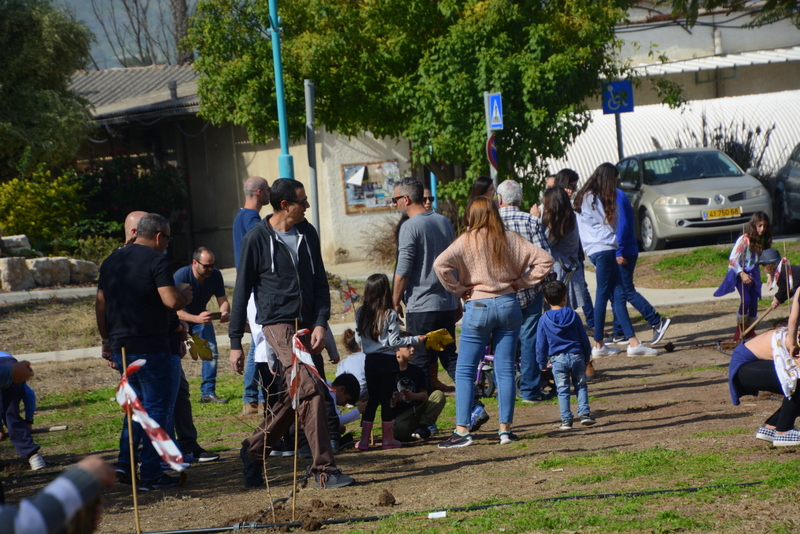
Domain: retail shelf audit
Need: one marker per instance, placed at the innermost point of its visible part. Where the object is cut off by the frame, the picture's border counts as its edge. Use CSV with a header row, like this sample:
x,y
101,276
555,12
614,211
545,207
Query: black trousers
x,y
760,375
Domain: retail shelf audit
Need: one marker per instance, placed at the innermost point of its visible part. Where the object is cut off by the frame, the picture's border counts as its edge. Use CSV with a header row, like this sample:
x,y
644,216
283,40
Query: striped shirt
x,y
530,228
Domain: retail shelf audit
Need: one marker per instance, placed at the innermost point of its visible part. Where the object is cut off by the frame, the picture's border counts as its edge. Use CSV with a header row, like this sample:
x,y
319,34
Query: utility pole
x,y
285,162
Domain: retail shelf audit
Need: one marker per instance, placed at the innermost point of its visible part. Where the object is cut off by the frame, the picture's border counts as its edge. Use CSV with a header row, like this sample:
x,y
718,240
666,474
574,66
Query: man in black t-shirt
x,y
414,410
133,294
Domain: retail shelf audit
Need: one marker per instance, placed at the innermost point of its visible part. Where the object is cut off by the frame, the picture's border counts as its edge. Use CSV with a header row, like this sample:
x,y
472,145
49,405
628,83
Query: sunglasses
x,y
204,266
428,199
169,237
395,199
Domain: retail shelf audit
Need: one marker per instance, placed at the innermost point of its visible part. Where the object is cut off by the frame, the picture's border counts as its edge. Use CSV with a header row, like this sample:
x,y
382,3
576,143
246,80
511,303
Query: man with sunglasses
x,y
282,263
206,281
429,306
133,293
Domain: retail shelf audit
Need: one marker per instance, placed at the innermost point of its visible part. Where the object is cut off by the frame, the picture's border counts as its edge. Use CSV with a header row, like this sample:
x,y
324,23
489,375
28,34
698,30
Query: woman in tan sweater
x,y
486,266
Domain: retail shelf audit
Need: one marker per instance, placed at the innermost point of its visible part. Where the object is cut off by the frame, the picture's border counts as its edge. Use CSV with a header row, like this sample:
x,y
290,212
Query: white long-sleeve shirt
x,y
596,234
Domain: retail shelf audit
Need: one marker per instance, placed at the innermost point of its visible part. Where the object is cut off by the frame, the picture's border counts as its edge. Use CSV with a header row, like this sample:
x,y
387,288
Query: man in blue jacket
x,y
281,261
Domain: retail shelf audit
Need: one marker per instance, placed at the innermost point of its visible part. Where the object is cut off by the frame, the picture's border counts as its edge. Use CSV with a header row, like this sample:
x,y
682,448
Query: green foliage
x,y
41,207
414,69
41,121
82,214
669,92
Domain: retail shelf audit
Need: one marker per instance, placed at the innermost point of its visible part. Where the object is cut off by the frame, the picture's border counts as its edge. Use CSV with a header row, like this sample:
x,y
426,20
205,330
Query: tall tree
x,y
41,121
414,69
765,12
144,32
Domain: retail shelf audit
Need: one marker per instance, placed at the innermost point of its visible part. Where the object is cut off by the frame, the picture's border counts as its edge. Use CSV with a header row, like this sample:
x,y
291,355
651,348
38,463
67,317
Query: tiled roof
x,y
120,94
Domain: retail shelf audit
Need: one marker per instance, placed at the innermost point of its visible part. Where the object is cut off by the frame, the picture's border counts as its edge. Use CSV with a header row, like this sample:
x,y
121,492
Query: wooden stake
x,y
756,323
296,427
130,446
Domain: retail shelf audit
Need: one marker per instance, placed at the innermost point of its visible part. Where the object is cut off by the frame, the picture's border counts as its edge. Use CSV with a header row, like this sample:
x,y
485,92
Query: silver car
x,y
787,194
689,192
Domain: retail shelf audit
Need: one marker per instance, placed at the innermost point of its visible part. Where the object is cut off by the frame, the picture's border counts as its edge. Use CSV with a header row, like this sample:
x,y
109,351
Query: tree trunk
x,y
180,21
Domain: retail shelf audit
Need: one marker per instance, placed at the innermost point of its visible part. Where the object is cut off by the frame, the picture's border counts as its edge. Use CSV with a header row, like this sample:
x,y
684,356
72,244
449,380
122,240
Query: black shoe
x,y
164,482
123,473
214,399
421,432
332,479
202,455
253,478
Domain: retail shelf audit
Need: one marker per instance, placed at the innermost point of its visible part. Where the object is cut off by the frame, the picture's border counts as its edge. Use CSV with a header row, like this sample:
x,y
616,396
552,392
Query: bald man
x,y
256,195
131,221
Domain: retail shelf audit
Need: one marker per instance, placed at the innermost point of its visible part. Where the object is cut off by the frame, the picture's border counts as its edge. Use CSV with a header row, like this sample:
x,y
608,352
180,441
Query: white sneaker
x,y
641,350
604,351
37,462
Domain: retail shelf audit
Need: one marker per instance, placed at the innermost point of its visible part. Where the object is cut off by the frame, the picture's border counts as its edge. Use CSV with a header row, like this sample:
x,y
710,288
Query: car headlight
x,y
755,192
673,201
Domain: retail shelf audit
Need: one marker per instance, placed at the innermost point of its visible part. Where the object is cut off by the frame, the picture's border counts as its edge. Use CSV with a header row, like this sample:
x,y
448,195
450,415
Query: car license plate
x,y
722,214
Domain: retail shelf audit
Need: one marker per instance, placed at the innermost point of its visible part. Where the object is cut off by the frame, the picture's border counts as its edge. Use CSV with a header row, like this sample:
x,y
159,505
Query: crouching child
x,y
562,338
415,411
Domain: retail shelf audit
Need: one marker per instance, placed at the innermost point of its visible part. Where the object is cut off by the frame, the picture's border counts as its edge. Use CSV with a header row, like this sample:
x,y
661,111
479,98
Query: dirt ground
x,y
638,403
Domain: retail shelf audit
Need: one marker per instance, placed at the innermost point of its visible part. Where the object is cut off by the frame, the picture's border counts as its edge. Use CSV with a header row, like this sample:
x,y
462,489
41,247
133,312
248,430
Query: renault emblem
x,y
719,199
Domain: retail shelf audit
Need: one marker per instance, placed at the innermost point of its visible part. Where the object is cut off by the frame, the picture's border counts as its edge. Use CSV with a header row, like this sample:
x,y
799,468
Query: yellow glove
x,y
438,339
198,347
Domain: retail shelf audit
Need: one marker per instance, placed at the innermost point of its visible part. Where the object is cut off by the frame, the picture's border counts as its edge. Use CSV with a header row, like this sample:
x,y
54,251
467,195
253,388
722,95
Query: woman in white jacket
x,y
596,207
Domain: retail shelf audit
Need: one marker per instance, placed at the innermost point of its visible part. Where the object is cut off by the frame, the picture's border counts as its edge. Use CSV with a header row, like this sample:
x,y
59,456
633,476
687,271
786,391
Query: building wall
x,y
219,160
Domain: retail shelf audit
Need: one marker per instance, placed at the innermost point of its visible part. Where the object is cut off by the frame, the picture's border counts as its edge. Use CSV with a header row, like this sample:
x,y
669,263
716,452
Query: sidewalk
x,y
353,271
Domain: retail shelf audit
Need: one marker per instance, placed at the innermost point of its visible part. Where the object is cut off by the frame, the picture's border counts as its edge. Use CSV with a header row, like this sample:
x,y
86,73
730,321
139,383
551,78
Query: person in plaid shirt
x,y
530,300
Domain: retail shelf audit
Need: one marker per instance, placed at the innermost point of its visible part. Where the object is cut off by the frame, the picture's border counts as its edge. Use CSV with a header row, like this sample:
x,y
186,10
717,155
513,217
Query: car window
x,y
684,166
632,172
621,166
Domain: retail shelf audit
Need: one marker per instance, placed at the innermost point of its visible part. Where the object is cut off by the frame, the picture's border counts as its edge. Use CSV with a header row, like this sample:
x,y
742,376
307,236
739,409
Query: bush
x,y
42,207
379,243
95,248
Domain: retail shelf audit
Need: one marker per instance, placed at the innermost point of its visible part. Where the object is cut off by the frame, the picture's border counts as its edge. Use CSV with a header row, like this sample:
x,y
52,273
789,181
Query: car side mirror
x,y
628,186
753,171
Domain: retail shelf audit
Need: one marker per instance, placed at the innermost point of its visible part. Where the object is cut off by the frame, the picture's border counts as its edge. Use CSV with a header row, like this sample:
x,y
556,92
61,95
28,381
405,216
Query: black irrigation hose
x,y
296,524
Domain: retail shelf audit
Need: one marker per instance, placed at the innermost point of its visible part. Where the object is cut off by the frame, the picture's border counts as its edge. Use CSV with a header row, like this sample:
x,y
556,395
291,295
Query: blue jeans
x,y
528,368
609,287
156,384
570,368
634,297
252,391
500,318
209,370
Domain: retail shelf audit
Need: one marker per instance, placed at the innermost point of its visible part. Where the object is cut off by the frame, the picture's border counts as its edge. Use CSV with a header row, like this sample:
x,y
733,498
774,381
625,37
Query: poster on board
x,y
369,186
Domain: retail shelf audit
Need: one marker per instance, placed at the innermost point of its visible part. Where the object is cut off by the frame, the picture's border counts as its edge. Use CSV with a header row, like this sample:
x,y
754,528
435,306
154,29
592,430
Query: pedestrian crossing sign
x,y
495,111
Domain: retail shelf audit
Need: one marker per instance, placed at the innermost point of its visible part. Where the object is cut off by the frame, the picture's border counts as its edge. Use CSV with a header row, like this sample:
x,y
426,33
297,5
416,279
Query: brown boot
x,y
250,408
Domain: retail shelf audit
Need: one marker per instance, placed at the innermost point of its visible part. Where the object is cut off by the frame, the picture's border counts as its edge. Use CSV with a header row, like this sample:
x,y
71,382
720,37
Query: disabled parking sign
x,y
617,97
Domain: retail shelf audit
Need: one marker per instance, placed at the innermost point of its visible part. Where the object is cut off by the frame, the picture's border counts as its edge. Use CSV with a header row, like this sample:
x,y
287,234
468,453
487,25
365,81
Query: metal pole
x,y
311,146
433,192
285,163
619,135
488,113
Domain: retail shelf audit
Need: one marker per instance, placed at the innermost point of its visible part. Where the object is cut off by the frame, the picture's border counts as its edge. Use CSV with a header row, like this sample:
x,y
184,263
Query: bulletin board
x,y
369,187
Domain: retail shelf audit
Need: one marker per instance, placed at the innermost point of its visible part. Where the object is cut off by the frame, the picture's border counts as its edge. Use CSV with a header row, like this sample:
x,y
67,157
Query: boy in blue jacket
x,y
562,338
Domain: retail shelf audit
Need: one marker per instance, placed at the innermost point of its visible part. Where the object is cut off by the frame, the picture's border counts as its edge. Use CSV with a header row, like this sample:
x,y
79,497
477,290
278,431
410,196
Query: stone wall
x,y
19,274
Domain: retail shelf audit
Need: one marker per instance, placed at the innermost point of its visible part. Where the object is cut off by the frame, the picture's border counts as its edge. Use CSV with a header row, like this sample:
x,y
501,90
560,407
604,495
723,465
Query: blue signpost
x,y
618,98
493,109
285,162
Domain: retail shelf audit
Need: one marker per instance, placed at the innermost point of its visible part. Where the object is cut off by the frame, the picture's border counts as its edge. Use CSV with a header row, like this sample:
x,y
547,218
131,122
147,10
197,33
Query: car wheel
x,y
650,240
